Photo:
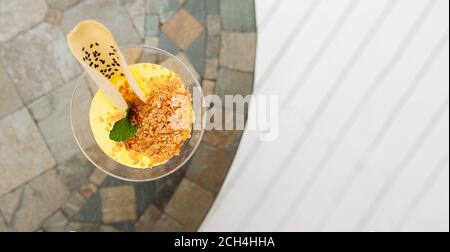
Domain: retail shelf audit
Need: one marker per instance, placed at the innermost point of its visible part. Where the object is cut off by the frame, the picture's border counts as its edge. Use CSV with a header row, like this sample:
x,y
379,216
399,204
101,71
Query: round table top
x,y
50,185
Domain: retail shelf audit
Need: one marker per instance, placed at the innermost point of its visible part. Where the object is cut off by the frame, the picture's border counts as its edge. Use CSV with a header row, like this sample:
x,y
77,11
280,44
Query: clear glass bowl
x,y
84,90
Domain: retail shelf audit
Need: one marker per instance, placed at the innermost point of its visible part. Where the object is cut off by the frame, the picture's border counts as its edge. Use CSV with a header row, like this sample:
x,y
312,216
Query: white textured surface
x,y
364,131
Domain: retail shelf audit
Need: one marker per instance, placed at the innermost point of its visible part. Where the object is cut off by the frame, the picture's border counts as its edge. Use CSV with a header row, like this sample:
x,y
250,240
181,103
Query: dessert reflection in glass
x,y
141,115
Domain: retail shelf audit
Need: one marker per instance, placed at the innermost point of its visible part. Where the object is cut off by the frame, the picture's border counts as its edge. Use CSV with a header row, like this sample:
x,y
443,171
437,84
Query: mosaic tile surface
x,y
50,185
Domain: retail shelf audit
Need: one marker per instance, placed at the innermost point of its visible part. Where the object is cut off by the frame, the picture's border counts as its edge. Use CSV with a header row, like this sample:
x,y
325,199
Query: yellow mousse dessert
x,y
164,120
142,114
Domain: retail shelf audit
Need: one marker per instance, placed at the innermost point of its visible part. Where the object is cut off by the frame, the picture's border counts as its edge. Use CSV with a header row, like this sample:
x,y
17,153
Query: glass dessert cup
x,y
85,89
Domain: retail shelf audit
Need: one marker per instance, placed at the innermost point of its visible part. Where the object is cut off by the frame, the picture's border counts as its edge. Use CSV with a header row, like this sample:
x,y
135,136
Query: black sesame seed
x,y
95,65
118,64
96,59
122,74
90,64
109,69
96,43
116,70
92,45
82,49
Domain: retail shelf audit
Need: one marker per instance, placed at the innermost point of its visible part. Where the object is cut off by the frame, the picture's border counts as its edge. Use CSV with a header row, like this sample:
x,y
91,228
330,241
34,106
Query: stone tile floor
x,y
46,184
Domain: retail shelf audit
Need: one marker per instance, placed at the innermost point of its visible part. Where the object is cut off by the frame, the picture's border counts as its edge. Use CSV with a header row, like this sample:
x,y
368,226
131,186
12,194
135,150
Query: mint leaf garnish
x,y
123,129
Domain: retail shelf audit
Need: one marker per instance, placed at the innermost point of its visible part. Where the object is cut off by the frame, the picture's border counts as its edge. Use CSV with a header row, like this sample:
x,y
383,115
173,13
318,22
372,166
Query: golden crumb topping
x,y
164,120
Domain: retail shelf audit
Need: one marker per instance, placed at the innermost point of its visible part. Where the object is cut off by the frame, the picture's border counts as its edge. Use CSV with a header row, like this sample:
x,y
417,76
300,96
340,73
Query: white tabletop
x,y
364,124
